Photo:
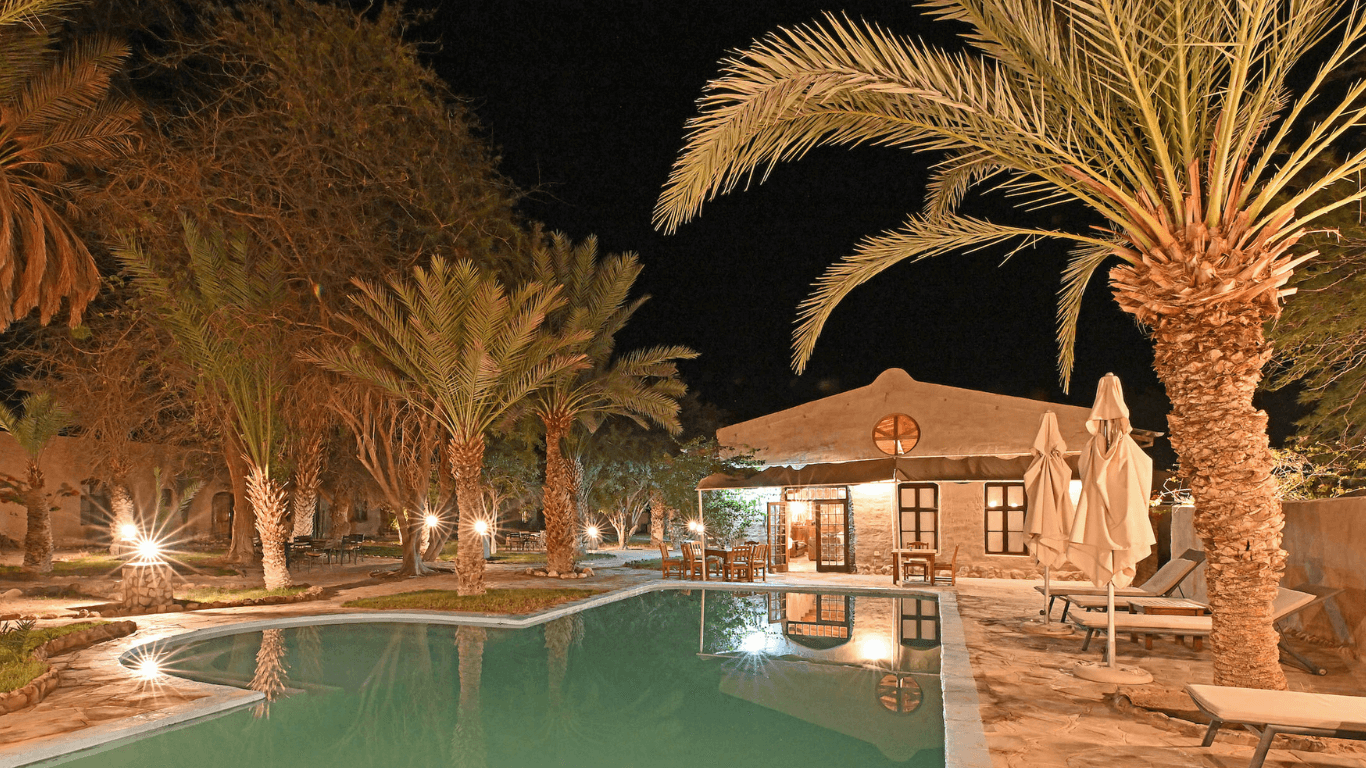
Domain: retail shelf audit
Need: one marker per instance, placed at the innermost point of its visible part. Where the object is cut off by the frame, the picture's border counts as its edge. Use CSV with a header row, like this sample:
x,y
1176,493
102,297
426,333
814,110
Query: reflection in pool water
x,y
668,678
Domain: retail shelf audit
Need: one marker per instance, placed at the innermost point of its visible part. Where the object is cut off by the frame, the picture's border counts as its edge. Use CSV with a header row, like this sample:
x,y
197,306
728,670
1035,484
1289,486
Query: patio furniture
x,y
715,559
1168,606
669,564
758,562
905,563
951,568
1160,584
1288,602
1270,713
737,564
692,561
351,545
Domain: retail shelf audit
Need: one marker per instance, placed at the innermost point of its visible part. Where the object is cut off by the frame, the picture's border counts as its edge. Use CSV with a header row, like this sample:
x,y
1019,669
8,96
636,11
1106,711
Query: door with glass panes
x,y
829,507
777,537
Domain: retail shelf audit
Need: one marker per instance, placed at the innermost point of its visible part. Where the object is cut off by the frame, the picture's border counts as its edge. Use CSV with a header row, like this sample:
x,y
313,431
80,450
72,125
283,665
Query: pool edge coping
x,y
964,735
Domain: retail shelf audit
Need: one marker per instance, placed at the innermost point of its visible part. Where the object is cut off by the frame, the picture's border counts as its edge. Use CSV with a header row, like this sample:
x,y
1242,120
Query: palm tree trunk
x,y
269,501
243,515
38,537
122,512
659,515
467,746
306,477
339,513
467,464
559,498
1210,361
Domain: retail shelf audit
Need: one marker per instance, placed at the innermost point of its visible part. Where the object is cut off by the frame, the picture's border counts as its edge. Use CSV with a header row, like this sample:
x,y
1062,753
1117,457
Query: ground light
x,y
128,532
593,535
432,521
148,551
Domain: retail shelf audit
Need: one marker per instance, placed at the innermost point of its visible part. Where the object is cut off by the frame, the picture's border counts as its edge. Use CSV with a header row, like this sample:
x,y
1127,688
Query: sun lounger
x,y
1269,713
1160,584
1288,602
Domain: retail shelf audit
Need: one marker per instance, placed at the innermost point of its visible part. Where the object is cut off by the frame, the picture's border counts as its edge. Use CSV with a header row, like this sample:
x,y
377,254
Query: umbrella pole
x,y
1110,623
1047,598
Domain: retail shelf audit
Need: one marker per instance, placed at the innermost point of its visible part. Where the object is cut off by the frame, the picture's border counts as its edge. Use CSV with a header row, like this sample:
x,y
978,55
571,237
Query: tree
x,y
641,385
43,419
459,347
58,124
1172,121
222,317
728,515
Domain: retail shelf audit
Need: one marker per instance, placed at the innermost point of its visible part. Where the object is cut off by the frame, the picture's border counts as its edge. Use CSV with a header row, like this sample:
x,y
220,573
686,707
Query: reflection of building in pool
x,y
850,477
867,667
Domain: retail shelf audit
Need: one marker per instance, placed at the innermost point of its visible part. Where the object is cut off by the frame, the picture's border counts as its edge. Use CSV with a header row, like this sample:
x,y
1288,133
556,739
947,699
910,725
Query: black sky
x,y
586,103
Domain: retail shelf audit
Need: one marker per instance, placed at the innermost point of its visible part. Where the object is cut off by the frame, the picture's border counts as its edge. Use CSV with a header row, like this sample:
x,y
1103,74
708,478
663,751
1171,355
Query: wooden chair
x,y
715,565
692,564
918,545
739,563
951,568
758,562
668,564
917,567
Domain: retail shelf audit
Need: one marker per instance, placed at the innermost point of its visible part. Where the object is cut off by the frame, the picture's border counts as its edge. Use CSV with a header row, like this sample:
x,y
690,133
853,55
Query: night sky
x,y
586,104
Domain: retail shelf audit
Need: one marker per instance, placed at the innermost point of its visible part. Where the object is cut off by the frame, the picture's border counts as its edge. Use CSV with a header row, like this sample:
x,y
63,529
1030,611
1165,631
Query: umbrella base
x,y
1052,628
1104,673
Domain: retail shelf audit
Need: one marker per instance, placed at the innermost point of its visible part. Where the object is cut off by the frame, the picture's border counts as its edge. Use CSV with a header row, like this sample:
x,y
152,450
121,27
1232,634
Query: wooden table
x,y
913,554
725,554
1168,606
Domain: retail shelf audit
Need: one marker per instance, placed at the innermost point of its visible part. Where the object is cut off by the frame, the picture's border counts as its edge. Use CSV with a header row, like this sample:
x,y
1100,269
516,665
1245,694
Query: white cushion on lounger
x,y
1142,622
1296,709
1160,583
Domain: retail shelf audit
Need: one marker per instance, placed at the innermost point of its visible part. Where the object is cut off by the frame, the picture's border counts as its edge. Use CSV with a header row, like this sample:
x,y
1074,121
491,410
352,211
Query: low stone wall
x,y
39,687
1324,539
118,609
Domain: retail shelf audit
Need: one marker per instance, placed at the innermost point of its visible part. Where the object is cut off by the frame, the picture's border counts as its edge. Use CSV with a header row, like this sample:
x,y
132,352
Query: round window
x,y
899,694
896,435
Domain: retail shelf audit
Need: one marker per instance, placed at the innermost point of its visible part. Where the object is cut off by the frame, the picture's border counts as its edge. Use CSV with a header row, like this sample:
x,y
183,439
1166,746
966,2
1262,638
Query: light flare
x,y
432,521
481,527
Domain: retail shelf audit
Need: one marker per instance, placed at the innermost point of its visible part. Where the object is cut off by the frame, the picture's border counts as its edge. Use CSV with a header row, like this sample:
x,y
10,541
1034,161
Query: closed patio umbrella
x,y
1111,532
1048,521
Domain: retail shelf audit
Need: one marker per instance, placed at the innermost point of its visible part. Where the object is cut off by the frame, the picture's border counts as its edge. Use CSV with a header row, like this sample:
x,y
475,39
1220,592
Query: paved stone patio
x,y
1034,711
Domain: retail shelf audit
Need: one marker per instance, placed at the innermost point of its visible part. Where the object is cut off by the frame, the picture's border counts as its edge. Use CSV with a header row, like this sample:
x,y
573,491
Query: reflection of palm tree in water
x,y
558,636
467,745
270,677
309,654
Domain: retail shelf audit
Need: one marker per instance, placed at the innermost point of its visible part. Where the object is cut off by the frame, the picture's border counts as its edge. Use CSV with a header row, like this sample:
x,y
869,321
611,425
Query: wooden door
x,y
777,537
832,536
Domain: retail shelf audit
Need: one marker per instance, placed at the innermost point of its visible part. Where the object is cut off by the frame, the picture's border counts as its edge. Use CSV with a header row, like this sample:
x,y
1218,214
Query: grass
x,y
213,595
646,565
492,601
185,563
16,669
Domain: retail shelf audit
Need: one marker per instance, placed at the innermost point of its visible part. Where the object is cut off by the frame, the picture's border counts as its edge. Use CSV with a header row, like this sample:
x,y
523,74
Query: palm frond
x,y
919,238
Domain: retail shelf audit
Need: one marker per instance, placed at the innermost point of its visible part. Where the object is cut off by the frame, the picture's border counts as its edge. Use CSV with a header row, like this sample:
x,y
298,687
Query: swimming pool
x,y
668,678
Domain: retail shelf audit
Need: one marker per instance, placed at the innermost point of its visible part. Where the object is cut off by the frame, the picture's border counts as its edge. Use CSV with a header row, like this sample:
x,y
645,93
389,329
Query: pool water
x,y
672,678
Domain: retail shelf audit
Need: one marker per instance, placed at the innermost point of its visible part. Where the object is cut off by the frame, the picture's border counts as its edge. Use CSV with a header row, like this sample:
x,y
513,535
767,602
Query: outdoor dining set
x,y
303,550
741,562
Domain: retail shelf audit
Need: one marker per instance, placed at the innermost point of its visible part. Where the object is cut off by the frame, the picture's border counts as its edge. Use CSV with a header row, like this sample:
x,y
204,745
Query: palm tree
x,y
43,418
641,385
57,122
1171,120
226,329
461,348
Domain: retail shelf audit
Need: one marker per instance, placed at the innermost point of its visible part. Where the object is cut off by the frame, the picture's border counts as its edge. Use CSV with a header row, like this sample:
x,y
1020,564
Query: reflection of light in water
x,y
147,669
875,648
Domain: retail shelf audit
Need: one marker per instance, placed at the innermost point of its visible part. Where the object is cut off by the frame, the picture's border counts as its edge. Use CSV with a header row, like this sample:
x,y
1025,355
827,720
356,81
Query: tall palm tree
x,y
461,348
43,418
223,320
641,384
1173,121
57,121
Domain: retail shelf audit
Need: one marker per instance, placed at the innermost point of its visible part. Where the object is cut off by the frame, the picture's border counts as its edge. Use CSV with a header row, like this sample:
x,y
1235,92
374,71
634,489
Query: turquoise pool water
x,y
665,679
